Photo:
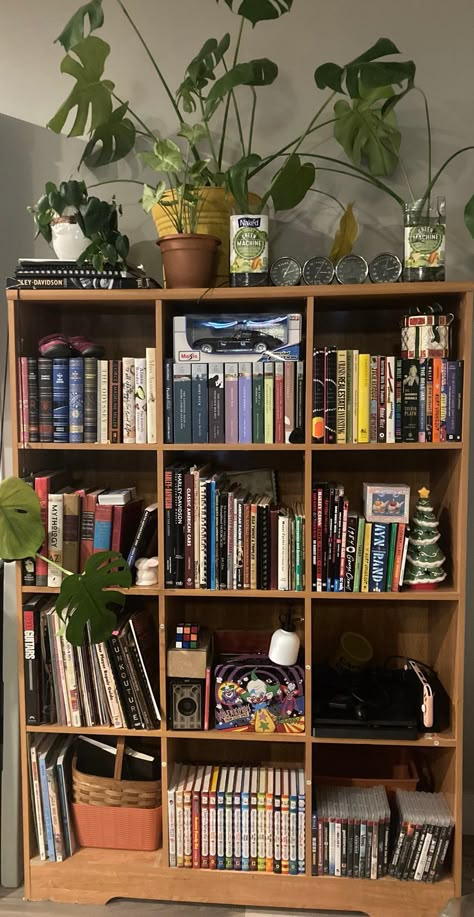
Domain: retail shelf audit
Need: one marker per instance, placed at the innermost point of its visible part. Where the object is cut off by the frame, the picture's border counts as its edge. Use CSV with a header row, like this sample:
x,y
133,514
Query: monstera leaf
x,y
259,10
91,95
201,71
110,141
345,236
73,31
237,178
292,183
367,71
85,598
21,529
365,134
261,72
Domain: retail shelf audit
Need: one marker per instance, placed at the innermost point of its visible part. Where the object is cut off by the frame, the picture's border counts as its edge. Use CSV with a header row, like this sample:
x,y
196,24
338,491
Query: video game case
x,y
45,396
199,403
182,408
245,402
90,399
258,422
216,403
231,384
168,400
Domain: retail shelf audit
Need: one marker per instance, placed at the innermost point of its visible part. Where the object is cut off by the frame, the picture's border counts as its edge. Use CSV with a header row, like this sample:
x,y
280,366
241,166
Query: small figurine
x,y
147,571
425,559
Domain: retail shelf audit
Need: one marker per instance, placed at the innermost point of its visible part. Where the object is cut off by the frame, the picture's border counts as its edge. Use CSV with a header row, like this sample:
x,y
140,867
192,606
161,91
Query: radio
x,y
185,703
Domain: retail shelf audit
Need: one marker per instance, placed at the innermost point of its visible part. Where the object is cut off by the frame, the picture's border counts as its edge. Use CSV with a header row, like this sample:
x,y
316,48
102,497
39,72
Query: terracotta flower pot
x,y
189,259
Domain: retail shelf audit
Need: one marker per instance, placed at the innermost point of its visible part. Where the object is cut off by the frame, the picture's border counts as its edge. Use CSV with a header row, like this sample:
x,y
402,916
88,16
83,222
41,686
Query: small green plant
x,y
90,598
97,219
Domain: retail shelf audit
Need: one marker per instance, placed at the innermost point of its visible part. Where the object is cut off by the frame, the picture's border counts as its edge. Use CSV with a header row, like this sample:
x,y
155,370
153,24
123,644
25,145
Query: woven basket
x,y
109,791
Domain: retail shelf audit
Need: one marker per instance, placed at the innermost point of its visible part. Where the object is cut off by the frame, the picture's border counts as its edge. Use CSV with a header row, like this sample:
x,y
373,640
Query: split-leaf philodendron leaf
x,y
21,529
91,97
111,140
365,134
73,31
90,597
259,10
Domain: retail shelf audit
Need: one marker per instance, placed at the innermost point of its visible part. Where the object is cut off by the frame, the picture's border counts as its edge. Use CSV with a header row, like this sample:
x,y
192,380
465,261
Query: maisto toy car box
x,y
205,338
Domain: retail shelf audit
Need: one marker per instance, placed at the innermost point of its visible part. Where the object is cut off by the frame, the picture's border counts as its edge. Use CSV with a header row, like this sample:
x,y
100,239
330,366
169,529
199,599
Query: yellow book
x,y
341,394
268,401
366,557
363,398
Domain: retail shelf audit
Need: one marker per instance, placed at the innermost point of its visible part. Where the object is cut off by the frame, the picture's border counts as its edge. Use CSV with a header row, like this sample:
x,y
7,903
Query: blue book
x,y
60,400
103,528
64,751
168,401
43,750
221,818
199,399
245,402
76,400
379,557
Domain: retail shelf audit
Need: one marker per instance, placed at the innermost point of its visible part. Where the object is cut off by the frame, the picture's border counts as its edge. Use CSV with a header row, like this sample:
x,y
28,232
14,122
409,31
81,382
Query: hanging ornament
x,y
425,559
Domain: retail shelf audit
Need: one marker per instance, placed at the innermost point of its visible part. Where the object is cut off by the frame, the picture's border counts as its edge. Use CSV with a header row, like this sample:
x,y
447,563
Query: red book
x,y
189,580
319,540
274,513
279,403
115,401
44,485
314,537
246,572
125,522
436,398
88,507
207,698
397,563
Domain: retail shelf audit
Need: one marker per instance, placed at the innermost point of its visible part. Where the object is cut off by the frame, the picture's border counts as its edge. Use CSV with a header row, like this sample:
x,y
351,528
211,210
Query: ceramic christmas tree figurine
x,y
425,559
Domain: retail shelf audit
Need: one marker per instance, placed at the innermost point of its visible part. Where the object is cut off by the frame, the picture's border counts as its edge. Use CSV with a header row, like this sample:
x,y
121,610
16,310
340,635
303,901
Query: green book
x,y
257,403
359,551
349,396
391,555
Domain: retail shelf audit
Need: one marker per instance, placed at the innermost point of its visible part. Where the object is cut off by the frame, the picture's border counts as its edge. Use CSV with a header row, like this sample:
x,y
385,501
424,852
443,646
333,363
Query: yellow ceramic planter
x,y
213,220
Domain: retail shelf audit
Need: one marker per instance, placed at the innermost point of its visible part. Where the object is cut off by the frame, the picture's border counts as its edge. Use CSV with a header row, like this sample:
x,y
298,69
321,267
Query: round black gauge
x,y
318,270
352,269
385,268
285,272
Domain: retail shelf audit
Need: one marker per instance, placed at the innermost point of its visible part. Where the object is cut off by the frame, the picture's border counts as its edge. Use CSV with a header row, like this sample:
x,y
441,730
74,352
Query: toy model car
x,y
240,341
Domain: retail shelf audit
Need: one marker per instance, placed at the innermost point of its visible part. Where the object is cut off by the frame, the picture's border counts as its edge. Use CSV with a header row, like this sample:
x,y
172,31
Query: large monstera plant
x,y
89,601
221,87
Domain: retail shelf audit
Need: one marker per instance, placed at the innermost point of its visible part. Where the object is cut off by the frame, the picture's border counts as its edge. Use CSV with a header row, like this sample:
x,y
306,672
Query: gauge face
x,y
352,269
385,268
318,270
286,272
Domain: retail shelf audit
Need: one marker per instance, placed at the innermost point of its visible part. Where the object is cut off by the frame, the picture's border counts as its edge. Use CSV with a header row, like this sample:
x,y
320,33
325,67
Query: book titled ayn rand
x,y
378,557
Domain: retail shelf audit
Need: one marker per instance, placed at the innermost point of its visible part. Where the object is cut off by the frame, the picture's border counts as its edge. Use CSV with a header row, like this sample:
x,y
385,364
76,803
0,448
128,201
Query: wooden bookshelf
x,y
429,623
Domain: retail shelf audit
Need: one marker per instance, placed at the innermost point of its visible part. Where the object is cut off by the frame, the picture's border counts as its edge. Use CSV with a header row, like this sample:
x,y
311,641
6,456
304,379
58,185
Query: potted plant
x,y
80,227
87,600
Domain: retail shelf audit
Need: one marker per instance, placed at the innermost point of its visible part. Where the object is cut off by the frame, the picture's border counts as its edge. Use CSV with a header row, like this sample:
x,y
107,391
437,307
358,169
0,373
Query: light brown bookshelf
x,y
427,625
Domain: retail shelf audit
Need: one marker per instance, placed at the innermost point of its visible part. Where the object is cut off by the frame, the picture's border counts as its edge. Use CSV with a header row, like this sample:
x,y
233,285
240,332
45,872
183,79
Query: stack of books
x,y
233,402
80,522
237,818
227,531
86,400
50,778
423,830
350,832
54,274
104,684
362,398
350,554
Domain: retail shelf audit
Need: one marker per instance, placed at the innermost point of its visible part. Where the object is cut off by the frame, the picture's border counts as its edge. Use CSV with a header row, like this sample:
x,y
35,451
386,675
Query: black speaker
x,y
185,703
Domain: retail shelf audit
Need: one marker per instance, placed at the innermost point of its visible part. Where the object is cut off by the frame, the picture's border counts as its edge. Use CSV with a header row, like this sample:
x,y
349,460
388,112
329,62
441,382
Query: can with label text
x,y
248,250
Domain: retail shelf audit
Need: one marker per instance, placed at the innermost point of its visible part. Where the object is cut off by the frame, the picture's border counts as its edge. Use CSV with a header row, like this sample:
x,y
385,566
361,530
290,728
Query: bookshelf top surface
x,y
355,291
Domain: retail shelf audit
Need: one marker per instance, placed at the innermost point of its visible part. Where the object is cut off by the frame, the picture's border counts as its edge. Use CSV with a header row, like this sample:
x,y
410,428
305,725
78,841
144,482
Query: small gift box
x,y
426,336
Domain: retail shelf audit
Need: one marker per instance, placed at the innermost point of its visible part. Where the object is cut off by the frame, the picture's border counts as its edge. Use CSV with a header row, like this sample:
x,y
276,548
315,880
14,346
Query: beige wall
x,y
438,35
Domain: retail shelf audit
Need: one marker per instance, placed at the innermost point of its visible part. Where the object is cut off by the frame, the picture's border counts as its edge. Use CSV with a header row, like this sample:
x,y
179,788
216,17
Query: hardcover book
x,y
141,430
289,398
128,399
258,430
182,411
318,396
60,401
232,392
330,394
199,399
216,403
245,402
76,400
33,401
45,392
410,400
150,375
115,401
168,400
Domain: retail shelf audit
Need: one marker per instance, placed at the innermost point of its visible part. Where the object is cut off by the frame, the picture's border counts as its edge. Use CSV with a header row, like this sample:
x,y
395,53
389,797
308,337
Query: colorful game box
x,y
255,695
386,502
229,338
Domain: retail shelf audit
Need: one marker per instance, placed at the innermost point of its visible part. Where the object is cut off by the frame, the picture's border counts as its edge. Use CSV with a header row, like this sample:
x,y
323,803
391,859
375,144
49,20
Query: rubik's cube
x,y
187,636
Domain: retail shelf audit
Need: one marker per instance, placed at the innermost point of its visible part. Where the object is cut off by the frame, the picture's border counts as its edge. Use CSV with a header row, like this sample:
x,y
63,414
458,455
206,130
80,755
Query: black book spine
x,y
223,520
259,546
429,400
350,848
382,408
200,403
216,403
143,536
326,847
325,535
170,570
48,704
90,399
416,848
178,519
351,548
240,544
356,854
300,396
182,410
168,400
398,401
318,396
45,391
28,572
115,367
344,847
410,396
266,547
33,401
330,409
32,655
124,685
380,851
137,679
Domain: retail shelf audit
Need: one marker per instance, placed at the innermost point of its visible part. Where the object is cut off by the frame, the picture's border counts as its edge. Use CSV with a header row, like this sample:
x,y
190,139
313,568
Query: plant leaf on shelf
x,y
21,529
292,182
259,72
260,10
366,71
73,31
166,157
152,196
237,179
85,598
193,133
91,95
365,135
110,141
345,236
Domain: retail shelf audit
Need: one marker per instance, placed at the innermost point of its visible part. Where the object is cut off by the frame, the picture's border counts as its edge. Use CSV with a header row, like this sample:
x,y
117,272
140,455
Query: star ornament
x,y
424,493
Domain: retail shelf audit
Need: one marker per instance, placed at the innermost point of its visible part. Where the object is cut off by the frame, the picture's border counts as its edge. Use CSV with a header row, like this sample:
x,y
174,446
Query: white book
x,y
301,820
71,681
55,537
172,814
206,783
261,839
283,550
102,401
140,400
229,833
117,497
269,819
36,790
56,624
277,819
390,400
355,398
128,399
188,816
285,820
213,818
151,393
180,815
253,815
245,819
221,817
237,817
113,703
337,840
83,685
293,821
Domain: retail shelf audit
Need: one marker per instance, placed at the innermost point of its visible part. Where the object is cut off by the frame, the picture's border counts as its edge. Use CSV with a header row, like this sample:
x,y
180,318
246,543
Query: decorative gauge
x,y
385,268
318,270
285,272
352,269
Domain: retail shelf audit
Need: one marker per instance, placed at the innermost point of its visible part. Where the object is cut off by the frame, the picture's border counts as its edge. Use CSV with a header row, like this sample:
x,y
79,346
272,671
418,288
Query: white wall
x,y
438,35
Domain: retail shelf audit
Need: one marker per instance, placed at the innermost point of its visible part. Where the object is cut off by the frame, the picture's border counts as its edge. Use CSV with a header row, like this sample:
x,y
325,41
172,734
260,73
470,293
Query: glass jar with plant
x,y
79,227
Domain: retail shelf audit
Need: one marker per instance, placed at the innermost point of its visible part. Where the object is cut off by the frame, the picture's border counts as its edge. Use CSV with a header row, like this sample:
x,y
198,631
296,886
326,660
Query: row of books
x,y
105,684
81,521
363,398
354,836
237,818
50,785
86,400
349,554
233,402
227,531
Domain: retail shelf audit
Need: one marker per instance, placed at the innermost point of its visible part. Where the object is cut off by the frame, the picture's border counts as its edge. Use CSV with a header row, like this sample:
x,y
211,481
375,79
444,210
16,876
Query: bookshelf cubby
x,y
428,625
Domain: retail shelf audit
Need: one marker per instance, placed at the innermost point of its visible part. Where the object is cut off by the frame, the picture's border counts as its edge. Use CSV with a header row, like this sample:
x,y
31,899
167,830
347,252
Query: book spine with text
x,y
189,531
245,402
382,396
24,403
45,394
436,399
55,538
128,399
363,398
150,376
76,400
258,427
422,404
33,401
115,401
102,401
216,402
71,531
390,398
341,418
330,399
141,432
279,426
444,402
199,403
398,400
269,400
232,391
182,408
168,400
289,399
429,401
373,398
60,400
90,399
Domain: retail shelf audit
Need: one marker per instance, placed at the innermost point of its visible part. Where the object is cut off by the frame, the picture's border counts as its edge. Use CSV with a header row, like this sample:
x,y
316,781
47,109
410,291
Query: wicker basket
x,y
115,813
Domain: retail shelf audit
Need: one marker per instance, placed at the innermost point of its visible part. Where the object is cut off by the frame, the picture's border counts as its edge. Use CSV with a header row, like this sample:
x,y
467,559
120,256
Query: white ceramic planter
x,y
68,240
